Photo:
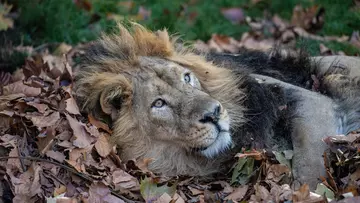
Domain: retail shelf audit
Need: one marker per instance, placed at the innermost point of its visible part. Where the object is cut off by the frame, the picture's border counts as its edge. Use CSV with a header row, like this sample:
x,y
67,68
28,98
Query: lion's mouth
x,y
219,132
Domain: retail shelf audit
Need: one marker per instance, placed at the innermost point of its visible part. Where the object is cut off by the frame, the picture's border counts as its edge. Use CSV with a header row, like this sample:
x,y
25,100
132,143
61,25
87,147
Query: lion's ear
x,y
111,100
103,94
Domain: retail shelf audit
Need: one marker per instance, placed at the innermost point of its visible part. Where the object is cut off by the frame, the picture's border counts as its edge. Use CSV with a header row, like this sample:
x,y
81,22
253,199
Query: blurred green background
x,y
75,21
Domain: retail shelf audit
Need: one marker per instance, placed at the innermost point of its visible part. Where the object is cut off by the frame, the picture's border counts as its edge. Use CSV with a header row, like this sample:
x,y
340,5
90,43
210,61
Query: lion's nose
x,y
212,116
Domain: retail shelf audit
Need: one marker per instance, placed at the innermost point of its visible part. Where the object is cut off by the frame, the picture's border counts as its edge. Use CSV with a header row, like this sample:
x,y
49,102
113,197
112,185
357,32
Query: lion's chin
x,y
221,143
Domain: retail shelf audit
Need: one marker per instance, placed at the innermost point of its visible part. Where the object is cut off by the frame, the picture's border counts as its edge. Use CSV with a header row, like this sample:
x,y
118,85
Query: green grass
x,y
44,21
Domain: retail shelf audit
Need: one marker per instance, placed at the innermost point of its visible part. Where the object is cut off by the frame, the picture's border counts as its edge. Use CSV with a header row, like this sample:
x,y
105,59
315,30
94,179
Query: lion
x,y
191,112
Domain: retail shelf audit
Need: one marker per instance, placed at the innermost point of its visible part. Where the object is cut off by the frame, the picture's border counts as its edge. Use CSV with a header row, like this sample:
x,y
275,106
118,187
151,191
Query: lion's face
x,y
172,108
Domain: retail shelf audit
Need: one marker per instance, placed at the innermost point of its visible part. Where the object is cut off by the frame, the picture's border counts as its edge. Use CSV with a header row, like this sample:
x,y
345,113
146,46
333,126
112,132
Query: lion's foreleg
x,y
314,119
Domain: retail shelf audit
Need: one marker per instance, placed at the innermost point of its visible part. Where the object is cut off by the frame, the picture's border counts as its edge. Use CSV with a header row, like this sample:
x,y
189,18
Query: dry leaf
x,y
102,145
238,194
99,124
58,156
20,87
44,121
121,179
71,106
99,193
235,15
82,138
60,190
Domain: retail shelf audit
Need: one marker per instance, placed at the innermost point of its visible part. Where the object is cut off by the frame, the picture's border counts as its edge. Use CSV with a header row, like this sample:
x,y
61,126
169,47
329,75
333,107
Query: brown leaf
x,y
40,107
58,156
28,183
99,124
221,43
44,121
71,106
166,198
302,194
102,145
45,140
121,179
144,164
238,194
249,42
14,163
82,138
98,193
20,87
276,172
311,19
195,191
34,66
64,135
59,190
253,154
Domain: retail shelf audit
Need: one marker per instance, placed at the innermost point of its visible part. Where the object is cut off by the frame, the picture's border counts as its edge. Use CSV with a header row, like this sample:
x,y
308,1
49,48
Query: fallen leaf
x,y
238,194
302,194
45,140
102,145
195,191
20,87
322,190
235,15
71,106
99,124
151,192
124,180
98,193
60,190
311,19
82,138
243,171
261,194
58,156
44,121
222,43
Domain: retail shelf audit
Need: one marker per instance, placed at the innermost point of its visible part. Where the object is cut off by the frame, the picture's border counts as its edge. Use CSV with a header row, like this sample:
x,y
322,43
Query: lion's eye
x,y
158,103
187,78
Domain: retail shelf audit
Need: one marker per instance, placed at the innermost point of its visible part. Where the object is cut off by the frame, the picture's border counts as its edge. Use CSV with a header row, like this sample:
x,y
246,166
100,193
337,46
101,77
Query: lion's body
x,y
191,115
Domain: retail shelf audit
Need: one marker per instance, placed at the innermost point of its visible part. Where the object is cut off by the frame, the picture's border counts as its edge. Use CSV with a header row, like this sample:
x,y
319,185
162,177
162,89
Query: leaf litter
x,y
49,152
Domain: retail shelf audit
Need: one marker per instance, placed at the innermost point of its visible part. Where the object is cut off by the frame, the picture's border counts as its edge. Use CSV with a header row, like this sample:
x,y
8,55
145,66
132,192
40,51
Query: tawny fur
x,y
96,81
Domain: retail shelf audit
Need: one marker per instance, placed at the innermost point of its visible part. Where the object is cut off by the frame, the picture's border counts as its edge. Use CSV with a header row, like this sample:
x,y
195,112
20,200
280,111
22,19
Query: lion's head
x,y
164,103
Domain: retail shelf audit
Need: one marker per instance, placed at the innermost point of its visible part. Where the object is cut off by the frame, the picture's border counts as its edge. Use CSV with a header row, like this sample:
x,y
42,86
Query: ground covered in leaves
x,y
49,152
